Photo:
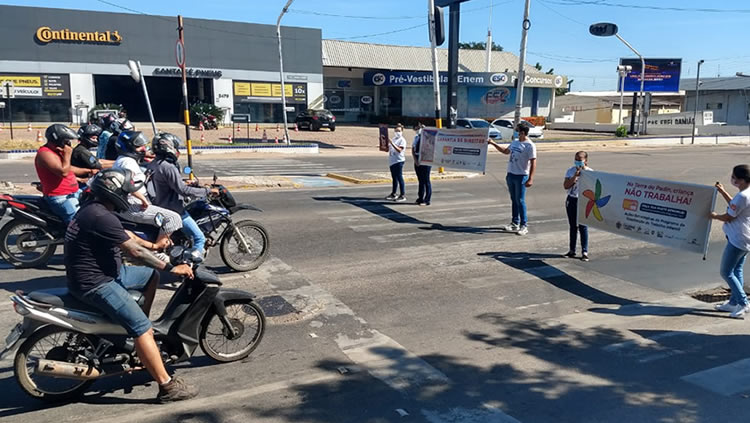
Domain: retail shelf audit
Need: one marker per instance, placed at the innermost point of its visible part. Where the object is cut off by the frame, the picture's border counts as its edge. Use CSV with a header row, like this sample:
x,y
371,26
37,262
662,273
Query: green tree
x,y
474,45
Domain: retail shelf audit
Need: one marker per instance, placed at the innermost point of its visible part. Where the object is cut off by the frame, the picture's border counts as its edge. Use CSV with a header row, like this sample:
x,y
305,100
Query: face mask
x,y
579,163
398,133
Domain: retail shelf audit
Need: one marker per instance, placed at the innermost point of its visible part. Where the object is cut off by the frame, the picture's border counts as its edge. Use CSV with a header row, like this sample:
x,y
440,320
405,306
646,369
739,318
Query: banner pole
x,y
710,222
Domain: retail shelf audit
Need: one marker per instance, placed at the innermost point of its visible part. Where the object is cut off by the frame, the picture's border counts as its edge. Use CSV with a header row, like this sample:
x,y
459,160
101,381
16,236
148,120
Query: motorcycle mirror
x,y
175,254
134,73
159,220
187,170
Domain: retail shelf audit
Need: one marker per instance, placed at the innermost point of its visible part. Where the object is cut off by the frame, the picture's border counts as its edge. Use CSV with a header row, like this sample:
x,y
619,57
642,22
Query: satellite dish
x,y
134,72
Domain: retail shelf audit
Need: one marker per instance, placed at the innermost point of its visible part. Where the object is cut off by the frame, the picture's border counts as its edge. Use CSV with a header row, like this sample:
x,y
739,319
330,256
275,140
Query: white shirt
x,y
573,191
521,154
395,156
738,230
129,163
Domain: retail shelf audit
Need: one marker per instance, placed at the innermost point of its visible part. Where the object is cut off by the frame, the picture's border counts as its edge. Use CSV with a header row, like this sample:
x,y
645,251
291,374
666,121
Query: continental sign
x,y
47,35
48,86
257,92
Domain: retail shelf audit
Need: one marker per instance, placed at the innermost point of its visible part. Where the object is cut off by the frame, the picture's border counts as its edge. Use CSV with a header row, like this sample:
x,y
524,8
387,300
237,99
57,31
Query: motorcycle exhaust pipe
x,y
64,370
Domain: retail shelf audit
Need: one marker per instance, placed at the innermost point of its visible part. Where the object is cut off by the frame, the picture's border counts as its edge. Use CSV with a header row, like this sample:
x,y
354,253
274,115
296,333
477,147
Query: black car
x,y
316,119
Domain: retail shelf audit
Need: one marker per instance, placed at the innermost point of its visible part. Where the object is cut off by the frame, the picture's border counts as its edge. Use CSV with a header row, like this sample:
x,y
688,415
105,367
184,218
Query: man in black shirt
x,y
94,243
82,156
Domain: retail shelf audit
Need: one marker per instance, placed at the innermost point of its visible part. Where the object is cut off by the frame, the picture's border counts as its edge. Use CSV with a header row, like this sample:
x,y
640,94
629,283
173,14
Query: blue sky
x,y
558,37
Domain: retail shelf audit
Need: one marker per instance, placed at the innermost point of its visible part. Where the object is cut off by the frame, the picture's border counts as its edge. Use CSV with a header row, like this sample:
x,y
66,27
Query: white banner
x,y
673,214
454,148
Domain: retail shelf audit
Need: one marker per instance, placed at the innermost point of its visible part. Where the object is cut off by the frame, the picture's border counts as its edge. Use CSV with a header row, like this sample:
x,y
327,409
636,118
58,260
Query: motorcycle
x,y
243,245
209,121
64,345
33,234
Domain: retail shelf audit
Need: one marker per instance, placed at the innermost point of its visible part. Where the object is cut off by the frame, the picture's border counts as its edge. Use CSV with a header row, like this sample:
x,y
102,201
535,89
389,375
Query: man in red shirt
x,y
58,177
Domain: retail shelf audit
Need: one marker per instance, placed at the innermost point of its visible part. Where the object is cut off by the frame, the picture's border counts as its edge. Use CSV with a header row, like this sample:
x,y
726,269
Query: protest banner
x,y
383,139
454,148
672,214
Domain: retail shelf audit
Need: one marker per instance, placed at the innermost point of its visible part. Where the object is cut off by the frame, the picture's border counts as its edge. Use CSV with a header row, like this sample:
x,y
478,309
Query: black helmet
x,y
166,146
89,135
106,120
59,134
114,185
129,142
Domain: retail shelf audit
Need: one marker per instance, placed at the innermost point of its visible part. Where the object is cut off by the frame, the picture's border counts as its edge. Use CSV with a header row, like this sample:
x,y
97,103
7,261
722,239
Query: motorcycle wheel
x,y
14,234
51,343
247,319
232,250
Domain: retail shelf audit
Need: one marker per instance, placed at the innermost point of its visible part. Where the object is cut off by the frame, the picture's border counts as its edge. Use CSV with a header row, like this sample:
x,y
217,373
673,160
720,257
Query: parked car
x,y
505,127
481,124
316,119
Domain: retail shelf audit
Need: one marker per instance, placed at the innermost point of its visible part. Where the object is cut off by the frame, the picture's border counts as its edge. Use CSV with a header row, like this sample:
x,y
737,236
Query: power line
x,y
385,18
544,4
634,6
381,33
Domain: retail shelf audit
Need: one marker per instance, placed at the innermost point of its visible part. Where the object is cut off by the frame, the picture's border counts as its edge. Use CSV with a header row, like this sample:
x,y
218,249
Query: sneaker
x,y
513,227
725,307
391,197
523,231
176,390
570,254
401,199
585,257
739,311
419,202
427,203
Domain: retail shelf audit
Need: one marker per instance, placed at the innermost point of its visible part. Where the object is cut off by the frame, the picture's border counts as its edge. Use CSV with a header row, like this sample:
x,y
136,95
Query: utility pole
x,y
623,72
521,65
180,54
434,41
697,97
489,41
455,15
281,71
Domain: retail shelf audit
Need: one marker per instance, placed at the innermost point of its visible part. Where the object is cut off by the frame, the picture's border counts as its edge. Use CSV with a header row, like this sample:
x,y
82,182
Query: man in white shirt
x,y
521,169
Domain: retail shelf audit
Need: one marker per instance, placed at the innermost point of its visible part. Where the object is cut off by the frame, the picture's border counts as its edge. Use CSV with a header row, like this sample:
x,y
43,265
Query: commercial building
x,y
369,82
64,62
727,98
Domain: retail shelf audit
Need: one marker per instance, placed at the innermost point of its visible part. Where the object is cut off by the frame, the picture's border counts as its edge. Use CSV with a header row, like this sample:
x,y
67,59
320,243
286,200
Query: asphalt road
x,y
432,315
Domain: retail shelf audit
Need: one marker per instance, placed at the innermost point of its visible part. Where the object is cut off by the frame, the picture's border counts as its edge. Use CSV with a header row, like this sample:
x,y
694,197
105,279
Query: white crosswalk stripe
x,y
264,167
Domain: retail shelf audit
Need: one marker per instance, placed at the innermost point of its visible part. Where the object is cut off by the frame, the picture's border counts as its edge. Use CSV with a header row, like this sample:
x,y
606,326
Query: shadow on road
x,y
535,265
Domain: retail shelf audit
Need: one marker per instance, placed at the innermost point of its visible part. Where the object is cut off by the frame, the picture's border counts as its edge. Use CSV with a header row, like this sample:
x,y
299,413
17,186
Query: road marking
x,y
525,307
724,380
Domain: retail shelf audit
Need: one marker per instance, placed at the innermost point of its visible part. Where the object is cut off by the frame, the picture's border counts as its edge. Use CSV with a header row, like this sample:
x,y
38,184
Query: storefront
x,y
65,62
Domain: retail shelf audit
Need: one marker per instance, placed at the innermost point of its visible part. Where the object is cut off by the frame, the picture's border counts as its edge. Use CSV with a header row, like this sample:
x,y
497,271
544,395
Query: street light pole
x,y
623,71
643,77
522,65
281,71
697,96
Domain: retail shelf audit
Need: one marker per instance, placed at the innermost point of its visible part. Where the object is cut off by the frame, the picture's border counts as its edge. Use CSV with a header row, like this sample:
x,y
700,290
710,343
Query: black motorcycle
x,y
65,345
34,232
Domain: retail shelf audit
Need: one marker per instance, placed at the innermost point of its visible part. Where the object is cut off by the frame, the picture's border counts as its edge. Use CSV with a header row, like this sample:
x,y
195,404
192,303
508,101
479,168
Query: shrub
x,y
621,131
206,108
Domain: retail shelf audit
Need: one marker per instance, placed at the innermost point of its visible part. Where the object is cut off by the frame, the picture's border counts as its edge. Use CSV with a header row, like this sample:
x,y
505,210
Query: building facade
x,y
64,62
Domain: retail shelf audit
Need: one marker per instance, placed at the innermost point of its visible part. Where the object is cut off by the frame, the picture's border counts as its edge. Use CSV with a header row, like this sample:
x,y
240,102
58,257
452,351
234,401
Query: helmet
x,y
89,135
166,146
126,125
129,143
114,127
106,120
114,185
60,135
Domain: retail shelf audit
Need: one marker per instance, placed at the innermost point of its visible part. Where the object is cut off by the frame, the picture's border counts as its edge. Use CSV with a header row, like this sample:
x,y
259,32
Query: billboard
x,y
258,92
38,85
662,75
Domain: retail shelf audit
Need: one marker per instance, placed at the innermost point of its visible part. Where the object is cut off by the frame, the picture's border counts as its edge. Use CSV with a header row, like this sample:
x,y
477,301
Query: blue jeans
x,y
517,188
732,262
64,206
571,208
112,299
397,173
425,186
193,231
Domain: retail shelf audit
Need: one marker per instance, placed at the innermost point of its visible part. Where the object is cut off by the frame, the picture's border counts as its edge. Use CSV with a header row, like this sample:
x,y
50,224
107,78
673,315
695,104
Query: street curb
x,y
358,181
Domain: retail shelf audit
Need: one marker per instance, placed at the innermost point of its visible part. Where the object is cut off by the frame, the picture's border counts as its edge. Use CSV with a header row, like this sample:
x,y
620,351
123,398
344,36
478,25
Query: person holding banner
x,y
737,230
423,172
396,160
521,168
570,183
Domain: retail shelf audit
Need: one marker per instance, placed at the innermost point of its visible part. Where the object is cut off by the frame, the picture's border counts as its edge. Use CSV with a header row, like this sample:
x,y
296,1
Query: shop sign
x,y
190,72
468,79
258,92
47,35
366,99
39,85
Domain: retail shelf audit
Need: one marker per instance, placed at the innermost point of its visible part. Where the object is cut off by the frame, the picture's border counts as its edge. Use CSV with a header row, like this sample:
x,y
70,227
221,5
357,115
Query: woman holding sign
x,y
423,172
737,230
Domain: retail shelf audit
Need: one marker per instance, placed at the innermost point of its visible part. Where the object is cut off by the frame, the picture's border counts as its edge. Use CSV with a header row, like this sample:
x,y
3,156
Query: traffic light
x,y
439,26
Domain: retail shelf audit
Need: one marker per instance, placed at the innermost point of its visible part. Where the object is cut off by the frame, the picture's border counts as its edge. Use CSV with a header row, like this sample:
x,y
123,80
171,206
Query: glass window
x,y
36,110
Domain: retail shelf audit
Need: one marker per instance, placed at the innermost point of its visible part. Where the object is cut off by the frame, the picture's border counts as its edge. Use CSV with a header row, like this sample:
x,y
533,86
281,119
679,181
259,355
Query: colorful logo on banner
x,y
596,201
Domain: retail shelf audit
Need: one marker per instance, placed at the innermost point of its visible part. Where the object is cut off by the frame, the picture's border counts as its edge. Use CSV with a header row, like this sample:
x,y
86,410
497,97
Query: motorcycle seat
x,y
60,297
40,206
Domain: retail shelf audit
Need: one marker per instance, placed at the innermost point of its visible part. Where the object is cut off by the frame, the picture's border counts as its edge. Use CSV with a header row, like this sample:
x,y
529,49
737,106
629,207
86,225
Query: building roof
x,y
717,84
382,56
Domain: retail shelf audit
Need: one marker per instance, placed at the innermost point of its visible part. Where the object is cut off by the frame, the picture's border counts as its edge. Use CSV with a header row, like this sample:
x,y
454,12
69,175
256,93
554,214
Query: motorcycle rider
x,y
105,122
94,244
82,157
132,148
116,128
56,173
167,189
